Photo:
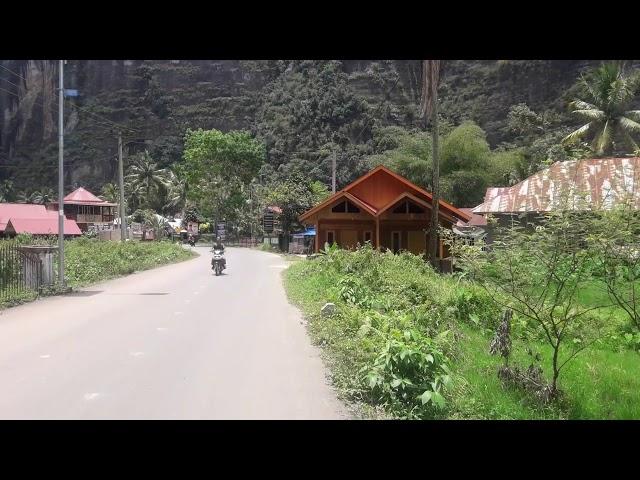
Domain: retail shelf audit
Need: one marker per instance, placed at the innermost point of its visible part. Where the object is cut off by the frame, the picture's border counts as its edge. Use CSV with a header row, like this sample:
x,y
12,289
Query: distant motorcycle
x,y
217,262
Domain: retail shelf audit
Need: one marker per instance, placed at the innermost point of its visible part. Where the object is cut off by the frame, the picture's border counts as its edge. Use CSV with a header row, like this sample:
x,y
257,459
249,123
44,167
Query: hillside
x,y
298,107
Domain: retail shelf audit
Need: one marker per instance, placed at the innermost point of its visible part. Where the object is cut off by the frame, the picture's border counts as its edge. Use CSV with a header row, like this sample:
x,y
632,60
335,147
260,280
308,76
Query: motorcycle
x,y
217,262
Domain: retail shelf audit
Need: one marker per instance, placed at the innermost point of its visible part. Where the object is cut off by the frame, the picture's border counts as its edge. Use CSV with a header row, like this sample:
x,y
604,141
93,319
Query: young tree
x,y
615,237
538,271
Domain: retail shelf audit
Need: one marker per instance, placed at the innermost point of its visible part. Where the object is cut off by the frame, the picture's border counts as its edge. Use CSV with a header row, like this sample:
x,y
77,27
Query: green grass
x,y
600,383
90,261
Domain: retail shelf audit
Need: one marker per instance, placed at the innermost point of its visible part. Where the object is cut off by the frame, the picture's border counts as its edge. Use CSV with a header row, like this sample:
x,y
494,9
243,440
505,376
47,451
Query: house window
x,y
331,237
340,208
345,207
401,208
413,208
396,244
368,235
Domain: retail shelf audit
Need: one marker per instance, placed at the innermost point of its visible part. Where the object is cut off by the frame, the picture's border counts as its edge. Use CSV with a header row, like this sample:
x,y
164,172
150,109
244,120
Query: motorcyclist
x,y
219,246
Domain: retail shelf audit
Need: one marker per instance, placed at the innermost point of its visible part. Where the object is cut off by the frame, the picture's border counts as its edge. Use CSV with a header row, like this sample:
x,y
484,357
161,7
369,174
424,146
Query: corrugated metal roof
x,y
476,220
577,184
82,195
20,210
42,226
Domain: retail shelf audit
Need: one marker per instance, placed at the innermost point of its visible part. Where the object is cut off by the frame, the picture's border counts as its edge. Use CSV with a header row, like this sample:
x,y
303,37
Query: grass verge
x,y
396,294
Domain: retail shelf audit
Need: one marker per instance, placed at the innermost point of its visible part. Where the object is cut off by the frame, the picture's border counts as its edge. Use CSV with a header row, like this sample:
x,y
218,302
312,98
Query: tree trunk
x,y
556,373
433,237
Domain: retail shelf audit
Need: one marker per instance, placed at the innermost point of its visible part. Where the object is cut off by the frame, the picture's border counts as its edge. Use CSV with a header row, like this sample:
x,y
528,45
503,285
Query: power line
x,y
75,106
54,107
11,71
14,84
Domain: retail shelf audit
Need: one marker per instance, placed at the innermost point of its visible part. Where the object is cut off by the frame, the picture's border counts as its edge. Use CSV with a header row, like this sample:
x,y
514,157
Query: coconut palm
x,y
176,194
23,197
134,195
41,197
110,193
6,191
609,122
144,173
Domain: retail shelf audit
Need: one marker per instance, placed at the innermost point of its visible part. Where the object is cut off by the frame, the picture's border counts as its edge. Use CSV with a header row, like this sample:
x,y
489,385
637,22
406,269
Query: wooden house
x,y
383,208
87,210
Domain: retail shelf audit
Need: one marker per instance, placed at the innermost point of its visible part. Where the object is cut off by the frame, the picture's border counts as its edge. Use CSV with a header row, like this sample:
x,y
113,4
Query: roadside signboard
x,y
220,230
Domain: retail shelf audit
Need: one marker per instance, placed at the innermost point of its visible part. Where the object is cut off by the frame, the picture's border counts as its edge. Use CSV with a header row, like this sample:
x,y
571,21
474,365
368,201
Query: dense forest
x,y
500,120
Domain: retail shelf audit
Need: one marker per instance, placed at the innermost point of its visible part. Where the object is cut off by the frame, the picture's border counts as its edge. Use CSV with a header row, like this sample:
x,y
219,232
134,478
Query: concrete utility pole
x,y
61,175
333,173
123,211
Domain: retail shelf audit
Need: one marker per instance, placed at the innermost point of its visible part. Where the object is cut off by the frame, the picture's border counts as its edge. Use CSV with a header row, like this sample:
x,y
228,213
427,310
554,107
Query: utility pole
x,y
123,211
61,175
333,173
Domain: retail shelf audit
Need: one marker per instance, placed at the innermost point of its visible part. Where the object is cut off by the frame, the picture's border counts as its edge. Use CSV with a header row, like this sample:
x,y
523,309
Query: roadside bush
x,y
90,260
409,374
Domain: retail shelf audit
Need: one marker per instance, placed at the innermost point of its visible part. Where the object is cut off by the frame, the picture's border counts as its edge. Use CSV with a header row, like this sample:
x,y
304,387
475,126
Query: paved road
x,y
171,343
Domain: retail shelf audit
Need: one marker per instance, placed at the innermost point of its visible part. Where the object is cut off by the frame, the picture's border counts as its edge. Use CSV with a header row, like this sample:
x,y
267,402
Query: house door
x,y
417,242
396,245
348,239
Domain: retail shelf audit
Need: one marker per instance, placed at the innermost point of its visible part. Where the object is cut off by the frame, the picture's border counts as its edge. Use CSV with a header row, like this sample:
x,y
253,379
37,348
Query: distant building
x,y
41,226
87,210
580,185
17,218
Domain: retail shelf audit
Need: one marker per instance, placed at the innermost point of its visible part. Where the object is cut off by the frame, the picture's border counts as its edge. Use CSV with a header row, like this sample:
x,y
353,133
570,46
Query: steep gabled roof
x,y
450,210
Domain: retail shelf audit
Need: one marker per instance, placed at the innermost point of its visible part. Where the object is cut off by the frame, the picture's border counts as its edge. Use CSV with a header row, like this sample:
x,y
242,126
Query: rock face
x,y
161,99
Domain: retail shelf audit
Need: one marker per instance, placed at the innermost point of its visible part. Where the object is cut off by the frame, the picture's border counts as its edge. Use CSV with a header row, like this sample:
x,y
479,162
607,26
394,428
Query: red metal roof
x,y
80,196
476,220
42,226
582,184
20,210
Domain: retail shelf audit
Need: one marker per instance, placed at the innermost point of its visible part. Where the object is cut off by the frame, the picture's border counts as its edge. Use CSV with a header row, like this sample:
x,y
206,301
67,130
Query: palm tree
x,y
110,193
6,191
177,194
144,173
134,195
46,195
430,81
609,122
23,197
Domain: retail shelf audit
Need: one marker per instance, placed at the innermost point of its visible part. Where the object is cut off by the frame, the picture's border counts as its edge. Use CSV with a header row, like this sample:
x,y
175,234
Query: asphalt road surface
x,y
175,342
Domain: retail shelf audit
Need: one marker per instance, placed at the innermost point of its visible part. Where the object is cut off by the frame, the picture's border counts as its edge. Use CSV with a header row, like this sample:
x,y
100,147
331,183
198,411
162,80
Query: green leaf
x,y
426,397
396,383
429,358
438,400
